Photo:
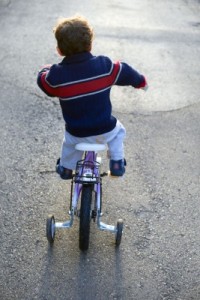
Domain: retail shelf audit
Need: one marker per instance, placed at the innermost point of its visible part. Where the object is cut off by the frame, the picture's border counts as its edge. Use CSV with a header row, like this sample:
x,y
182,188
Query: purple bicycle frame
x,y
88,172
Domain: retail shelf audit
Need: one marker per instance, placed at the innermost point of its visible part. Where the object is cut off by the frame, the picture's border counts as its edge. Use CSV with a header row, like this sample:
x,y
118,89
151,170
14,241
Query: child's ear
x,y
90,48
59,51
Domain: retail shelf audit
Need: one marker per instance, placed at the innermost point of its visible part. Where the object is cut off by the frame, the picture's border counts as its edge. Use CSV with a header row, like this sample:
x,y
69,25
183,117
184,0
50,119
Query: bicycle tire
x,y
50,229
119,232
85,217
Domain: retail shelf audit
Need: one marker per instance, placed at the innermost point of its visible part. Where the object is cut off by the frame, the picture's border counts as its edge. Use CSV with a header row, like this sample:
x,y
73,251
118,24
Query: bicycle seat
x,y
90,147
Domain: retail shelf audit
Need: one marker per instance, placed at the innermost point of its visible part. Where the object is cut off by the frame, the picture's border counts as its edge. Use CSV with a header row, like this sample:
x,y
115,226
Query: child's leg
x,y
69,155
116,152
116,146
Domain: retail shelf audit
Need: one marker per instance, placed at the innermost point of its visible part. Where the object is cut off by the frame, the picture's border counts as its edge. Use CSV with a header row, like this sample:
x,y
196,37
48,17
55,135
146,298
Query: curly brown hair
x,y
73,35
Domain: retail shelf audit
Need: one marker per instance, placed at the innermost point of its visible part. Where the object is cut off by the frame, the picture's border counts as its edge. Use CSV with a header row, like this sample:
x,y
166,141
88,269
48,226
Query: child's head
x,y
73,35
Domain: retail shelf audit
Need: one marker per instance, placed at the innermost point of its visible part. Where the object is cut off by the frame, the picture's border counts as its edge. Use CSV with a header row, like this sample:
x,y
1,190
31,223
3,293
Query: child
x,y
82,82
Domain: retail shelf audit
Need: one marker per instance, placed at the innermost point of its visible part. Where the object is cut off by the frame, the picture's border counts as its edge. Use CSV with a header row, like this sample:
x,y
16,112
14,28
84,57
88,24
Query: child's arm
x,y
129,76
43,83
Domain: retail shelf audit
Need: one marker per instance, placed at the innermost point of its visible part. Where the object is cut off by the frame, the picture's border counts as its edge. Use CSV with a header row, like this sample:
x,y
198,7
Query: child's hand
x,y
45,69
145,88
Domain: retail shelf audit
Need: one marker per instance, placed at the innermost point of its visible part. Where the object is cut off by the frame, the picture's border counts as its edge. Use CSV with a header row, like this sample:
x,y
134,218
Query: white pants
x,y
114,140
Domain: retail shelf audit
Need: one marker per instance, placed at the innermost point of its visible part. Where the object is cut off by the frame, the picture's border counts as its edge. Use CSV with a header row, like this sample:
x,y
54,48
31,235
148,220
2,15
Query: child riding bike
x,y
82,82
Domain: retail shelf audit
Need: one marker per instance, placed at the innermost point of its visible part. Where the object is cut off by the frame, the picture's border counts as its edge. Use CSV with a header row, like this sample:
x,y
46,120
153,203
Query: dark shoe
x,y
117,167
63,172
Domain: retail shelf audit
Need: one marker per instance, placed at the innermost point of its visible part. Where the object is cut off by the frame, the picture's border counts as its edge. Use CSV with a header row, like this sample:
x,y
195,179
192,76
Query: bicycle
x,y
86,186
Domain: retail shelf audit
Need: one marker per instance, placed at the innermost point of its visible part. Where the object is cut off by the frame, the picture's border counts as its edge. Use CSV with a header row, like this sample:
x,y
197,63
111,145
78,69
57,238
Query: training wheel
x,y
50,229
119,232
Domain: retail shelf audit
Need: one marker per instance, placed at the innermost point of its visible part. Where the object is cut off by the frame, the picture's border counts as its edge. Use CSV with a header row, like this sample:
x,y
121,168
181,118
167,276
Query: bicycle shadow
x,y
105,275
82,275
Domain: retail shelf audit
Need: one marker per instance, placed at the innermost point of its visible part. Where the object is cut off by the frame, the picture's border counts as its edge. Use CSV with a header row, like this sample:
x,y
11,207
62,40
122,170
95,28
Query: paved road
x,y
159,257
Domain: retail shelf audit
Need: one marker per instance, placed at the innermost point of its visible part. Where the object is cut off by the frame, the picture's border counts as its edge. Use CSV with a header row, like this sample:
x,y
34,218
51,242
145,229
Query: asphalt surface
x,y
159,257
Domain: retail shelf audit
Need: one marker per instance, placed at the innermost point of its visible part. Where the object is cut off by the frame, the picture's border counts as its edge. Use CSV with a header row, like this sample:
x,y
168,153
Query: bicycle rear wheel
x,y
85,217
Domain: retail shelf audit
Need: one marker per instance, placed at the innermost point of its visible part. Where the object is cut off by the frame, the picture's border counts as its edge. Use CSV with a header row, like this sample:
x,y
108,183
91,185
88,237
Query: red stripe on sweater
x,y
81,88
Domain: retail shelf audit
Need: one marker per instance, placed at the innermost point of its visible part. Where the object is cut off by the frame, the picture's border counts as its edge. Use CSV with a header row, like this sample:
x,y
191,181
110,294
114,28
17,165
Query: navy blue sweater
x,y
83,83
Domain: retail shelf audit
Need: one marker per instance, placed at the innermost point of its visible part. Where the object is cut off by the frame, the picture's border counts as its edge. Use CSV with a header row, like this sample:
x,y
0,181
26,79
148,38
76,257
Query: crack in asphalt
x,y
5,3
151,113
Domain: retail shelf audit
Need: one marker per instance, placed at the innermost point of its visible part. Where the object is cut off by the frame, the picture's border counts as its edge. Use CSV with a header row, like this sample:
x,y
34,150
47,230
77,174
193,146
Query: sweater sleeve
x,y
129,76
43,82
